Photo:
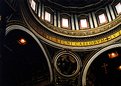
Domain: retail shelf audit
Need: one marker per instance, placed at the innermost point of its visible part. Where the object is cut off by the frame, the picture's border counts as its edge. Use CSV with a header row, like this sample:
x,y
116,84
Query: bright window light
x,y
102,18
118,8
65,22
33,5
83,23
47,16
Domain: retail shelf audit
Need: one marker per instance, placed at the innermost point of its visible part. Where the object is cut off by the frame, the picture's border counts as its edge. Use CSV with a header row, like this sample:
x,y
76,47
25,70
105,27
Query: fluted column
x,y
43,11
59,20
55,19
91,21
72,22
39,10
94,19
108,14
76,22
112,12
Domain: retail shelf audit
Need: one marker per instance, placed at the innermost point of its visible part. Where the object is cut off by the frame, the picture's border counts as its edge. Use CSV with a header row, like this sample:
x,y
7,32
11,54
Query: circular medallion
x,y
67,64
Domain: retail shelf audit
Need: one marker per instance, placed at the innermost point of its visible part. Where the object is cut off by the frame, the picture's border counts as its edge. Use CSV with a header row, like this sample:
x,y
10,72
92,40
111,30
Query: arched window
x,y
83,21
65,21
48,15
101,17
33,4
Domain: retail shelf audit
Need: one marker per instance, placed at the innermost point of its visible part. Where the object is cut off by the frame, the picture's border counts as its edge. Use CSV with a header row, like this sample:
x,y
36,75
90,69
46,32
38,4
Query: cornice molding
x,y
85,32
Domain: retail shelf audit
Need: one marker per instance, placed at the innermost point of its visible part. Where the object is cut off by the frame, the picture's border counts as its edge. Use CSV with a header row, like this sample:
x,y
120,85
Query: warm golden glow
x,y
22,41
82,43
113,55
119,67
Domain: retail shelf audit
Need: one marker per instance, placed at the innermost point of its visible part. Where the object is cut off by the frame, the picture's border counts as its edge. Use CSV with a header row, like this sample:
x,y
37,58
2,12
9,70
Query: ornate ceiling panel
x,y
76,5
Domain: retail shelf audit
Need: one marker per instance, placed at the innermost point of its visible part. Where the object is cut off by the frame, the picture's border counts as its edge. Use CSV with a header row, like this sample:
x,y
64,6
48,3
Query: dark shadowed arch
x,y
25,64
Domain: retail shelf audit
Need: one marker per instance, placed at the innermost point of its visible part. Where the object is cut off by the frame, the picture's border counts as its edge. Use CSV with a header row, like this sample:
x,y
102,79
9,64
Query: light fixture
x,y
113,55
22,41
119,68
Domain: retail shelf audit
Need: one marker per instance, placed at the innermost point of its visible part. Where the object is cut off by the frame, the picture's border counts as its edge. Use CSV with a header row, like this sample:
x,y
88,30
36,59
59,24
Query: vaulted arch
x,y
25,59
99,62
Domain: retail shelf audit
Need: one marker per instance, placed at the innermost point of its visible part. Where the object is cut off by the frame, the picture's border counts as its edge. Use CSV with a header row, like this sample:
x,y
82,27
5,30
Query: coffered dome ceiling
x,y
77,5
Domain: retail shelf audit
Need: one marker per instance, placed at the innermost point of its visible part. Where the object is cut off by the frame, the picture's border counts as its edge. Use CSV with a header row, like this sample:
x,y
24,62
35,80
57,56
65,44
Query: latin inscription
x,y
86,43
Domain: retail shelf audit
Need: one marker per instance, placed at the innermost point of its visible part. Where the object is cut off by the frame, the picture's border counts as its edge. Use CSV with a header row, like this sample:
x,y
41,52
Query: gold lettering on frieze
x,y
73,43
54,40
58,41
86,44
112,36
48,37
105,40
67,43
91,43
109,38
117,34
62,42
82,43
78,44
